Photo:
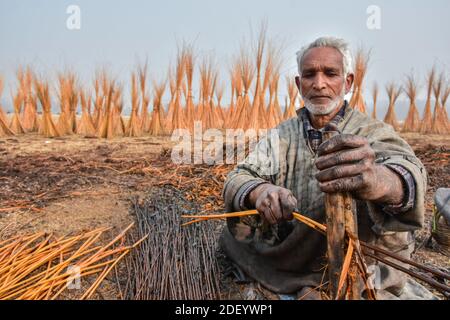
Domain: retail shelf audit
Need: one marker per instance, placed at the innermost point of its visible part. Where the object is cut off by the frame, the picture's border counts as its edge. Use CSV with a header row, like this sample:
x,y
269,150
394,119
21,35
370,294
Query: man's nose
x,y
319,81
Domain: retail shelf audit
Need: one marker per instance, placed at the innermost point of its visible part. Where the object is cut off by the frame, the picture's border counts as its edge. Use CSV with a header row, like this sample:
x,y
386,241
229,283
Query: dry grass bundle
x,y
375,98
290,111
145,98
175,119
236,93
68,98
99,99
41,266
86,126
133,128
4,129
440,125
412,121
246,74
393,93
118,123
360,68
157,121
274,116
257,118
106,127
219,110
46,128
208,80
15,124
427,120
189,66
29,116
173,89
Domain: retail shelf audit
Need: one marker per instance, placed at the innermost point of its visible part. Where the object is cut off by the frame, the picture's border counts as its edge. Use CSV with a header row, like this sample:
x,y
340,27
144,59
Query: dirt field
x,y
67,185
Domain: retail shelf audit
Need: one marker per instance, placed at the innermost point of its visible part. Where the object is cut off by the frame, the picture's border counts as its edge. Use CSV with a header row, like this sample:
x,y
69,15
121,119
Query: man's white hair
x,y
339,44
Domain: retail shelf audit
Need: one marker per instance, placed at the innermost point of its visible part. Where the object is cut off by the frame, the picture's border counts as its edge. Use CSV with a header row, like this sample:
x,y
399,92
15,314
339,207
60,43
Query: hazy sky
x,y
413,36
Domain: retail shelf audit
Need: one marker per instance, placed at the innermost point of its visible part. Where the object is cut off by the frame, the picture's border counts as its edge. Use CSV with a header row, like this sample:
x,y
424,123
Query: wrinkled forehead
x,y
323,58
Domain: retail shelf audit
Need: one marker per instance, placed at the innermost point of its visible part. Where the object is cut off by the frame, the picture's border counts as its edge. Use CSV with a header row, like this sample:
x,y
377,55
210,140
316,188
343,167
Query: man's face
x,y
322,83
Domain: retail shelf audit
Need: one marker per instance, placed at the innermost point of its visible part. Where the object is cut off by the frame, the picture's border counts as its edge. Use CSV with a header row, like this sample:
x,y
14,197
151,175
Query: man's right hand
x,y
274,203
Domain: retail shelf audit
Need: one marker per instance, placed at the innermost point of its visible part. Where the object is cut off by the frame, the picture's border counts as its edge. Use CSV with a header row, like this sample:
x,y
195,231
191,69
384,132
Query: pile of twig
x,y
173,262
435,278
42,266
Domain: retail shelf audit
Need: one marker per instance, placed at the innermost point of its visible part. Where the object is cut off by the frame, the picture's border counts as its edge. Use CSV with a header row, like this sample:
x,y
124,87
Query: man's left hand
x,y
347,164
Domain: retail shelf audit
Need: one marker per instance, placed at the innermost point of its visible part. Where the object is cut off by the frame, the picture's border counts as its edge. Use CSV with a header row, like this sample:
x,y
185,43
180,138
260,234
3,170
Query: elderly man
x,y
368,159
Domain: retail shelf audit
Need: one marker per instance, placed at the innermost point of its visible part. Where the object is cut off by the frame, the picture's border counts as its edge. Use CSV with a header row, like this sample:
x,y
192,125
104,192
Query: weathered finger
x,y
339,142
275,206
341,171
288,203
343,185
343,157
269,216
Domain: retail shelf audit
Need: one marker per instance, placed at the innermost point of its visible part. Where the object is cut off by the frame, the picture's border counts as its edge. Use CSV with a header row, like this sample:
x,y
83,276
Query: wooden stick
x,y
335,205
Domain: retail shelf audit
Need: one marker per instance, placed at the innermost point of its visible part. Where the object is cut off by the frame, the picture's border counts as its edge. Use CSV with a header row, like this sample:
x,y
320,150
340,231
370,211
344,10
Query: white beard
x,y
321,110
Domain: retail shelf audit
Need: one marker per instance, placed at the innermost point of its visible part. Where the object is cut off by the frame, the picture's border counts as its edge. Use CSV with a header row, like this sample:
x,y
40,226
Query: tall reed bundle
x,y
68,98
257,118
208,76
157,122
274,116
218,108
106,127
99,100
393,93
243,105
15,124
360,68
29,118
118,123
86,126
236,90
412,121
189,66
173,90
145,98
46,127
134,128
4,129
176,120
427,119
439,119
375,98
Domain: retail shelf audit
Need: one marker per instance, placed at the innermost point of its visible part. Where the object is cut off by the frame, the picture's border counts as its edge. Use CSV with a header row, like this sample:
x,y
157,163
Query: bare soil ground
x,y
74,184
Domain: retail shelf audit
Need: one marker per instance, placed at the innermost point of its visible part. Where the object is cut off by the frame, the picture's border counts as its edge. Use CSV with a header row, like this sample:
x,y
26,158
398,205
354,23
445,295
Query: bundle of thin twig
x,y
41,266
173,262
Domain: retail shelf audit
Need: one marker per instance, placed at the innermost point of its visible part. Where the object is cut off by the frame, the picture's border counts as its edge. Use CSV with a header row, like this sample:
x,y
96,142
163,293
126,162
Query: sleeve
x,y
259,167
394,152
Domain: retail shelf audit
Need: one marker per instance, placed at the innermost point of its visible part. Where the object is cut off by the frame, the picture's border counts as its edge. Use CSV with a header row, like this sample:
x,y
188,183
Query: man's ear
x,y
297,81
349,82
